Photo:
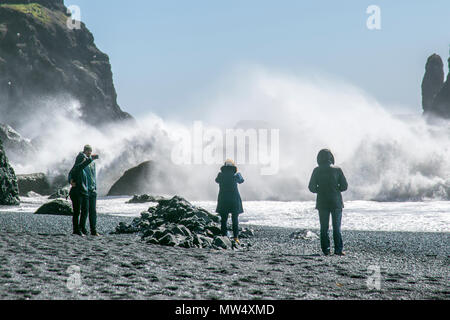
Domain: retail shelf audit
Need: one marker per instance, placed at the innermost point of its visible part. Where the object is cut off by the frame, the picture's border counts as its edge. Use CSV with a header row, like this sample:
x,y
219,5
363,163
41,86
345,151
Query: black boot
x,y
76,231
76,227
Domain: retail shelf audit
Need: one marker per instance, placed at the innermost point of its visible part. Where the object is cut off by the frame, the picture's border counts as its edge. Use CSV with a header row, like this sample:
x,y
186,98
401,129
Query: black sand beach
x,y
38,255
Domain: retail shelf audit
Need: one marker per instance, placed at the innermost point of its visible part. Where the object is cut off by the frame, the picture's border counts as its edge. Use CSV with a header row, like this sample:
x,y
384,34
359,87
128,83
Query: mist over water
x,y
384,157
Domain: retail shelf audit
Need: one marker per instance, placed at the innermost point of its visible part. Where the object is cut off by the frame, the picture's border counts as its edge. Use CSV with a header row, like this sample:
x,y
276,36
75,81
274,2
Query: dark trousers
x,y
336,216
76,205
224,221
88,206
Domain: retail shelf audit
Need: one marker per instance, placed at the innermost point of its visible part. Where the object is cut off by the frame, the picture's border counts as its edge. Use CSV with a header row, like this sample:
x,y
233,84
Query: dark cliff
x,y
41,57
9,189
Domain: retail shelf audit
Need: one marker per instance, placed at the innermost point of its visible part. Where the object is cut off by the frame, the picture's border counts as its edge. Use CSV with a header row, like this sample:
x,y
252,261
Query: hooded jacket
x,y
83,173
229,199
328,181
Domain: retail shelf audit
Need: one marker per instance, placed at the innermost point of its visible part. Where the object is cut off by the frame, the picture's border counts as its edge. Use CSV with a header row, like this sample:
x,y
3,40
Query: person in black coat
x,y
328,181
229,199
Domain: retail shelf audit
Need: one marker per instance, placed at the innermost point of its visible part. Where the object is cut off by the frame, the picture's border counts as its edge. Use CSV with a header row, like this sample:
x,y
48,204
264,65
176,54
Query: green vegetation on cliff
x,y
38,12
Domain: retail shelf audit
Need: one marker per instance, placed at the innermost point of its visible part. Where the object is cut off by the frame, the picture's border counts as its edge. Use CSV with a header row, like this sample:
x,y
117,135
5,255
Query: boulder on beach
x,y
176,222
143,198
56,207
37,182
9,189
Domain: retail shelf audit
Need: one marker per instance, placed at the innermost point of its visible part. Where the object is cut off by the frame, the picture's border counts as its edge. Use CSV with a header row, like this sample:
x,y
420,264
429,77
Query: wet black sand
x,y
38,255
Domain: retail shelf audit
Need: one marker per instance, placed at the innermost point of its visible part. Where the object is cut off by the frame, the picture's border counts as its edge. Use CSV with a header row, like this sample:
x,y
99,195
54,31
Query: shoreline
x,y
39,255
358,215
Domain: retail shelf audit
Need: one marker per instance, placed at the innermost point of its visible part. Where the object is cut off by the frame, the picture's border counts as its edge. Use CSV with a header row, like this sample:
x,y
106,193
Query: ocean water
x,y
425,216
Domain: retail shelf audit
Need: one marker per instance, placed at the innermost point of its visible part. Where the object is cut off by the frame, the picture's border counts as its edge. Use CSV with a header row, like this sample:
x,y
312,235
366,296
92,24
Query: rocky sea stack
x,y
9,189
41,58
436,92
176,222
134,181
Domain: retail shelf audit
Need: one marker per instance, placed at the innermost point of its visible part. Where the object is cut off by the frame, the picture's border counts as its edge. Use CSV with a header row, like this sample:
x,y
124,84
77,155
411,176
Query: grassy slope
x,y
40,13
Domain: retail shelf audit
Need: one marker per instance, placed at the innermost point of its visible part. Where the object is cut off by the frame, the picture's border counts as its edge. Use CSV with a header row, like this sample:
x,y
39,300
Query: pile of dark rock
x,y
145,198
176,222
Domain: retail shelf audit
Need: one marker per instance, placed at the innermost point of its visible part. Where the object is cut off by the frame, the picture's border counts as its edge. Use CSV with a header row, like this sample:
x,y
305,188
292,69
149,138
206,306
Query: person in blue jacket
x,y
328,181
82,178
229,199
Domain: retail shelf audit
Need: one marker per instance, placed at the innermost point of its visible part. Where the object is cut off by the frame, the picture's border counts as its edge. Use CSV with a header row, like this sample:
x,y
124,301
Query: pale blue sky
x,y
164,53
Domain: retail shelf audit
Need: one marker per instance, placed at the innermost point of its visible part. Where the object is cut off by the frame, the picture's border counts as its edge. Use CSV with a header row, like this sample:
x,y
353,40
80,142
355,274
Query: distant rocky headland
x,y
41,57
44,66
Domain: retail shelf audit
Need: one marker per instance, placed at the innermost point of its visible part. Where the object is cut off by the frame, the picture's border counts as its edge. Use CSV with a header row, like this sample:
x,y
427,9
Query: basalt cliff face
x,y
42,59
436,92
9,189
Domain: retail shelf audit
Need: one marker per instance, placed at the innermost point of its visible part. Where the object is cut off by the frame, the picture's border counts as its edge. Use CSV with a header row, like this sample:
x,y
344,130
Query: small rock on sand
x,y
304,234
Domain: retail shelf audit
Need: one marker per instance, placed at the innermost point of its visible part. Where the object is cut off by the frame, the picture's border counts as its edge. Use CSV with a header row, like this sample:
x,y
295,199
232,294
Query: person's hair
x,y
229,162
87,148
229,165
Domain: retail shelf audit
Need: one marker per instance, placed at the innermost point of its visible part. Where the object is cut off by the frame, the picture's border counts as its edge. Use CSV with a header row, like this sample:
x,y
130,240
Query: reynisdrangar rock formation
x,y
432,81
436,92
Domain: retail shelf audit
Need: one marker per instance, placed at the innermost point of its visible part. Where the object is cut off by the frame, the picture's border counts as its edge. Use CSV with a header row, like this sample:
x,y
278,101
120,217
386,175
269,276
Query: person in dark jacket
x,y
83,193
229,199
74,193
328,181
